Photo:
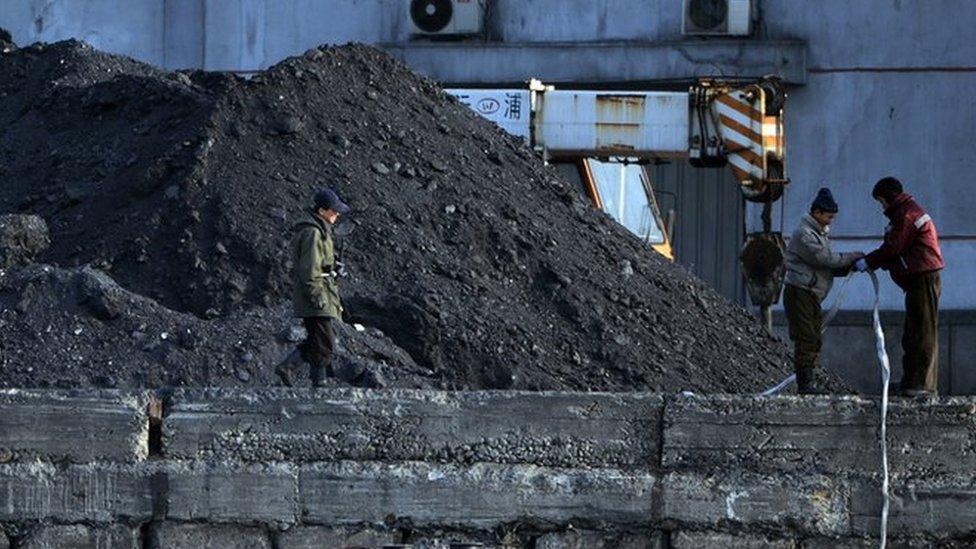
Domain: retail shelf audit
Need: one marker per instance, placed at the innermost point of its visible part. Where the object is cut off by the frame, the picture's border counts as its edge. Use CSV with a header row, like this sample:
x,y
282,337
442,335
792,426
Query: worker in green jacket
x,y
315,290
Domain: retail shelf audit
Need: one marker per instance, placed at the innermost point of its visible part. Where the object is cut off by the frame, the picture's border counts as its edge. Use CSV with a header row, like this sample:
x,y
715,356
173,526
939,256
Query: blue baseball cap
x,y
328,199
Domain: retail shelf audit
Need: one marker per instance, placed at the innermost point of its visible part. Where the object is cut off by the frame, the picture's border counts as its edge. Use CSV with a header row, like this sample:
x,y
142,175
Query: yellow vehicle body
x,y
664,249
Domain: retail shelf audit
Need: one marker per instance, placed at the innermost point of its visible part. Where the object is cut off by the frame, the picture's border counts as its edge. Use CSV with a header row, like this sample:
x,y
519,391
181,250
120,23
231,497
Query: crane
x,y
599,139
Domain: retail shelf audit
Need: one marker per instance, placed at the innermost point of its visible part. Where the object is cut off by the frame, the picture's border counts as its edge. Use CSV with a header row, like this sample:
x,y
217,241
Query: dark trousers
x,y
803,315
920,340
318,346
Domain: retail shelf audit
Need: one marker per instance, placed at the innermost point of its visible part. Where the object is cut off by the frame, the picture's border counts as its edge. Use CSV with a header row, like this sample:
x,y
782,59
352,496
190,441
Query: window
x,y
624,191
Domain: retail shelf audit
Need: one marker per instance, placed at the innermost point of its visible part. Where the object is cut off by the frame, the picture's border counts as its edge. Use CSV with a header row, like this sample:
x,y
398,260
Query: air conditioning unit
x,y
446,17
717,17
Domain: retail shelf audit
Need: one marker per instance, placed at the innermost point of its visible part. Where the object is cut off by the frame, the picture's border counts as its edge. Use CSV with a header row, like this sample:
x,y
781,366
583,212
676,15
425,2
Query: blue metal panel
x,y
709,224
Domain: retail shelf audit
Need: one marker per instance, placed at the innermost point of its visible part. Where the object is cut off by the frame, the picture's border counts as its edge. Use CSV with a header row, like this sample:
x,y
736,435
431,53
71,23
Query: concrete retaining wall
x,y
828,434
78,427
290,468
551,429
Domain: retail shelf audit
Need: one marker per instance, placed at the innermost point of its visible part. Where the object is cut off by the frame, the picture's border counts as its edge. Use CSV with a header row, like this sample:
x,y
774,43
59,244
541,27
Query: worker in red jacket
x,y
911,254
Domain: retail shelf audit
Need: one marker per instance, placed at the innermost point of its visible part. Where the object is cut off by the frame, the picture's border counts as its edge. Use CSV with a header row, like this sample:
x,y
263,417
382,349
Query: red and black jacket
x,y
911,242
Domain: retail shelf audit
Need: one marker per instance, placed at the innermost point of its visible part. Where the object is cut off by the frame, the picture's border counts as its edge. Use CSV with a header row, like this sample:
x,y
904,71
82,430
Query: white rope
x,y
823,328
885,379
779,386
879,342
841,294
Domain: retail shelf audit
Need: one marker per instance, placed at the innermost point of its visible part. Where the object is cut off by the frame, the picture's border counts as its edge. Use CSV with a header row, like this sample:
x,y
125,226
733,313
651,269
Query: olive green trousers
x,y
920,339
804,317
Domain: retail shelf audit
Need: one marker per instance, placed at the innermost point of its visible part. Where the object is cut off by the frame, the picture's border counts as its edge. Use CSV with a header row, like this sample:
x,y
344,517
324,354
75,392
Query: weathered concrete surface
x,y
477,496
94,493
767,433
873,543
174,535
78,536
592,539
933,507
807,503
315,537
57,425
742,471
715,540
932,438
550,429
454,540
827,434
490,63
228,493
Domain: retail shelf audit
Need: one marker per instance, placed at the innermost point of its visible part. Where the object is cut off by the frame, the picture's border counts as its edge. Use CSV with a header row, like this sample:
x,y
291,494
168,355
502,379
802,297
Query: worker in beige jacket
x,y
810,270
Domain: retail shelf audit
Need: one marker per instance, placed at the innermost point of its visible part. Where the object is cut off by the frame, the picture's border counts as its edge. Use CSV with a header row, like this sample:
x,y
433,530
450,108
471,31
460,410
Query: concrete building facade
x,y
877,87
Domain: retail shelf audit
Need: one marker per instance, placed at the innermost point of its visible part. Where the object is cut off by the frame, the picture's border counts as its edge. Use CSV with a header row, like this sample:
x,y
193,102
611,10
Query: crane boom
x,y
712,124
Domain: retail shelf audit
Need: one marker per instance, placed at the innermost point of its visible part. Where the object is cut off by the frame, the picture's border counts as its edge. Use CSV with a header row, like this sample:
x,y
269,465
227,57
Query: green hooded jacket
x,y
315,291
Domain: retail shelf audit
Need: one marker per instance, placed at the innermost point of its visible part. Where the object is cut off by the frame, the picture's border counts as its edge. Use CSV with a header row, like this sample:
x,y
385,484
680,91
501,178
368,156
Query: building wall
x,y
135,28
885,95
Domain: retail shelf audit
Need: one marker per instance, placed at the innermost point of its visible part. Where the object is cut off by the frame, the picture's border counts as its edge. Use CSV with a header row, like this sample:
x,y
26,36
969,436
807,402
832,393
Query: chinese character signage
x,y
509,109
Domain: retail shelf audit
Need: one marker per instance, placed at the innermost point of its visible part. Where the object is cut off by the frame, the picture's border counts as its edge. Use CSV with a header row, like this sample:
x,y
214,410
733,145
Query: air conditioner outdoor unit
x,y
446,17
717,17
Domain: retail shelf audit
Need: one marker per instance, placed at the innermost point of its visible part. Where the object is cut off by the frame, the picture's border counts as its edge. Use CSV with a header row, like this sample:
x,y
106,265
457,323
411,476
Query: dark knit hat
x,y
824,201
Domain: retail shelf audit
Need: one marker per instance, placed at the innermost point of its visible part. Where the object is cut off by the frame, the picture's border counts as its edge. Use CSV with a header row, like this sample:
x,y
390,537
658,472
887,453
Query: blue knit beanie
x,y
824,201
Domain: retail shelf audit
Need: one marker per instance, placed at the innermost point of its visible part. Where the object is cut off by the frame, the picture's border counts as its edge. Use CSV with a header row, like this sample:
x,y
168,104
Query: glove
x,y
861,265
340,270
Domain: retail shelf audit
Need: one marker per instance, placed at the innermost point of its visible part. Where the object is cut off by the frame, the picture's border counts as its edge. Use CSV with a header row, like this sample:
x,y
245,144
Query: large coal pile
x,y
468,253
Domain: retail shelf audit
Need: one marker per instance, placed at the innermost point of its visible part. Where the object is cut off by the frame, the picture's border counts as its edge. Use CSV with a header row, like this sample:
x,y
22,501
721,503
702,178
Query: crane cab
x,y
622,188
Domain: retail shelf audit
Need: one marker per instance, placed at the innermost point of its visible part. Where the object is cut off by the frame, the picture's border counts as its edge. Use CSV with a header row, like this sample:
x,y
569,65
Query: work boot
x,y
918,393
318,379
807,383
286,368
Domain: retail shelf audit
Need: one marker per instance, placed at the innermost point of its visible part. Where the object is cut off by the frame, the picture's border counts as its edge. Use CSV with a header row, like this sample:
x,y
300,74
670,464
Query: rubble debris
x,y
77,328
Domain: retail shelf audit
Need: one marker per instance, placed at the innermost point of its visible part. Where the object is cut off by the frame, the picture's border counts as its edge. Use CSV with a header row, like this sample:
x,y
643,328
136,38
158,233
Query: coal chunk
x,y
22,238
99,294
285,125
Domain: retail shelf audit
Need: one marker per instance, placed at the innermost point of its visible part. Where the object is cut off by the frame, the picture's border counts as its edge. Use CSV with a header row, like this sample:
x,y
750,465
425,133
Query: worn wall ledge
x,y
289,466
490,63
